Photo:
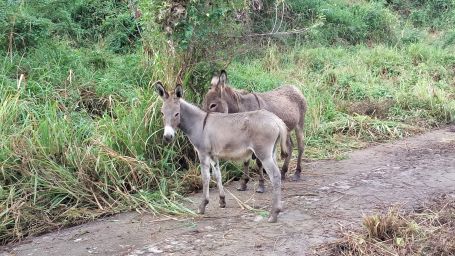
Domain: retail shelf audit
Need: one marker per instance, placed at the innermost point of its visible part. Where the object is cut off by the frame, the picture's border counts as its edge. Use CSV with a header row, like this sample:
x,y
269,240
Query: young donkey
x,y
226,136
287,102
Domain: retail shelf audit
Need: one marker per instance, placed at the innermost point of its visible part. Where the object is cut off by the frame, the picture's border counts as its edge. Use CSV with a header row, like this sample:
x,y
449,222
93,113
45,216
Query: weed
x,y
428,230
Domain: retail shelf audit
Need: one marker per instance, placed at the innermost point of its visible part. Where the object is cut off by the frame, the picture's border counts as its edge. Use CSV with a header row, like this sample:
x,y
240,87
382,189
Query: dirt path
x,y
333,194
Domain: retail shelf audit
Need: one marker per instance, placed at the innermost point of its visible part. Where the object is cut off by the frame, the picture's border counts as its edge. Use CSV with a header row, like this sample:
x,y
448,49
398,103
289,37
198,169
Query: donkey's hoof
x,y
242,187
283,173
273,218
222,202
260,189
296,177
274,215
201,209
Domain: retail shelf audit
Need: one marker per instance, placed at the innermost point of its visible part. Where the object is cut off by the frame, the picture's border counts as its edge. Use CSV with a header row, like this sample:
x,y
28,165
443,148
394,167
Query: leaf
x,y
399,241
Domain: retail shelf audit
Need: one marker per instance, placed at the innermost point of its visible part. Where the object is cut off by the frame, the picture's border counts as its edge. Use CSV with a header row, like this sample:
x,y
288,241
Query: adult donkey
x,y
226,136
287,102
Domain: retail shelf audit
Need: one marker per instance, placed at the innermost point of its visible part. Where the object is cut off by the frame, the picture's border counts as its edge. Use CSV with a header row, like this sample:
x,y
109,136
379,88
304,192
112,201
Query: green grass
x,y
362,93
81,134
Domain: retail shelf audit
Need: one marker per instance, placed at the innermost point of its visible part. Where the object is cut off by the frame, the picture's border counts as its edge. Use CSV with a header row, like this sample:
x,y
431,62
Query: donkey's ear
x,y
160,90
223,77
179,91
215,81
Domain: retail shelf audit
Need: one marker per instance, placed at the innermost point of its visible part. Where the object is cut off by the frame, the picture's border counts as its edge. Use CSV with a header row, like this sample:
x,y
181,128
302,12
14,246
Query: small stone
x,y
92,250
258,218
153,249
209,228
138,251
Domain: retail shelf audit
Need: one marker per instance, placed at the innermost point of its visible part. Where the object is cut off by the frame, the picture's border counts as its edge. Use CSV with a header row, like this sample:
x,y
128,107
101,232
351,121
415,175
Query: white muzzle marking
x,y
169,131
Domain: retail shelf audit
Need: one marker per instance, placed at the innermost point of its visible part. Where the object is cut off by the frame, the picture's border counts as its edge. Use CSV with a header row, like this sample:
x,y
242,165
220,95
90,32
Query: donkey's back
x,y
287,102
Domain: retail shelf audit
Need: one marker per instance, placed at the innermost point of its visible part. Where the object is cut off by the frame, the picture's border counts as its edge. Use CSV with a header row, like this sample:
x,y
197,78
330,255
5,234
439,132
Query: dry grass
x,y
377,109
428,230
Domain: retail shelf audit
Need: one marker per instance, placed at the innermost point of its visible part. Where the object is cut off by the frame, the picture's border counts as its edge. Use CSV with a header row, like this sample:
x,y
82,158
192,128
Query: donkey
x,y
286,102
218,136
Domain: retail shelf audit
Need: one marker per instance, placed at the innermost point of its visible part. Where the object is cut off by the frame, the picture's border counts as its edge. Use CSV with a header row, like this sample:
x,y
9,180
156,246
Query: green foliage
x,y
79,139
193,35
332,22
27,23
436,14
359,94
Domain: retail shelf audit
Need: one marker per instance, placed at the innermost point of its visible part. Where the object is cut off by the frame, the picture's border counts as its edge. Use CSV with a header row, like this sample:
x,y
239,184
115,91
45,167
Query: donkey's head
x,y
213,100
170,109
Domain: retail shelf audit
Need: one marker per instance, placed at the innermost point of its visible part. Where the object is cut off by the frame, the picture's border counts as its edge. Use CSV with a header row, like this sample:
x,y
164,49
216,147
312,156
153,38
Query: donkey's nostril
x,y
168,138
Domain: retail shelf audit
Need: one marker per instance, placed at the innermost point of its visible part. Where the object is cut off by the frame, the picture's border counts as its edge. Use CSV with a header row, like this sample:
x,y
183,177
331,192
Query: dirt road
x,y
333,194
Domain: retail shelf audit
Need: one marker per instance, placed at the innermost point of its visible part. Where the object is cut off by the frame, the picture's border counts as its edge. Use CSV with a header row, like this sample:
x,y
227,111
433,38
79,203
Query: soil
x,y
332,195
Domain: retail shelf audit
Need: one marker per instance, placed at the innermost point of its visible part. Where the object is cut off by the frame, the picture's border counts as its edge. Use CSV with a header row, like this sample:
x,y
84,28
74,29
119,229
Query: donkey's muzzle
x,y
168,138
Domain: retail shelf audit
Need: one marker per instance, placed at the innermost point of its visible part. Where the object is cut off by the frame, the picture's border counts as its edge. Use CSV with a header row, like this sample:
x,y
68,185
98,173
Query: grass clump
x,y
428,230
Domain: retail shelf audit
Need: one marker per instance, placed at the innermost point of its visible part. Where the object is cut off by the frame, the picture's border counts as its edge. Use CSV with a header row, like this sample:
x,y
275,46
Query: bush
x,y
25,25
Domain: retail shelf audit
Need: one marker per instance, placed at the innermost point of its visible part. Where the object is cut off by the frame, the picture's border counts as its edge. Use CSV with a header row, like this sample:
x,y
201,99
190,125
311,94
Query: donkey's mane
x,y
229,91
197,109
237,93
242,91
191,105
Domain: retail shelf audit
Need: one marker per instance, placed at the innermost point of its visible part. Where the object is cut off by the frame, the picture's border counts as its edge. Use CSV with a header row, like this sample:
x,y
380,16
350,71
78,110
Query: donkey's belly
x,y
234,154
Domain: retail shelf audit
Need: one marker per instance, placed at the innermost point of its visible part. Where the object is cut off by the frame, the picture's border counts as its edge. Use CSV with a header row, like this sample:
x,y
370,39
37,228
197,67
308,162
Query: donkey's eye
x,y
212,106
176,114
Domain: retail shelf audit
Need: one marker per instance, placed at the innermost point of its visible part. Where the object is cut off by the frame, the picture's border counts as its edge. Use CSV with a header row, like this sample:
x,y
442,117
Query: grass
x,y
80,128
427,230
81,139
362,93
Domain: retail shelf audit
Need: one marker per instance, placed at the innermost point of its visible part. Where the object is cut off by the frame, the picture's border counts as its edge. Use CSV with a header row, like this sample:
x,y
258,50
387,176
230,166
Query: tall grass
x,y
80,126
359,93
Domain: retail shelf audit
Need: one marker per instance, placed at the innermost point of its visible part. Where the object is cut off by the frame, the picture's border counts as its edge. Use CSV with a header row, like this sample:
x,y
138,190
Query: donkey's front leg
x,y
245,177
205,173
219,182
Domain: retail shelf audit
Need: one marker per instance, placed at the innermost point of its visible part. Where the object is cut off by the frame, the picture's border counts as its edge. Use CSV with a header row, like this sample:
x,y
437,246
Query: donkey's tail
x,y
283,138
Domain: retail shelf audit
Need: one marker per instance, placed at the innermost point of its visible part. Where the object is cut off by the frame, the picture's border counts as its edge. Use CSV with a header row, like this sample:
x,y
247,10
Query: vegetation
x,y
428,230
80,127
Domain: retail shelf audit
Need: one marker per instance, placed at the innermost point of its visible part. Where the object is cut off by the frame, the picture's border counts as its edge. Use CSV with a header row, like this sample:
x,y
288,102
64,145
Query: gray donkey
x,y
287,102
218,136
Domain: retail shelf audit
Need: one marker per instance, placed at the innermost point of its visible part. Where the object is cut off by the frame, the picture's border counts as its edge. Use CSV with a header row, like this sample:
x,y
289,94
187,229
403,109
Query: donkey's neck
x,y
191,119
241,102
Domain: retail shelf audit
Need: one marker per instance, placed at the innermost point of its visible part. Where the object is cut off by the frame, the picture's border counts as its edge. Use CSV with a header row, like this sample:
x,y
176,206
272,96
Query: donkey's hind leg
x,y
205,173
301,147
245,177
261,187
287,160
274,174
219,182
